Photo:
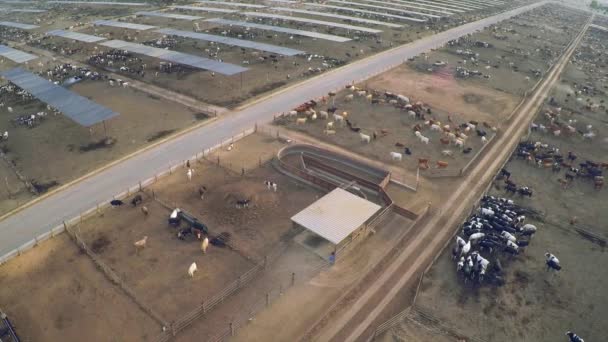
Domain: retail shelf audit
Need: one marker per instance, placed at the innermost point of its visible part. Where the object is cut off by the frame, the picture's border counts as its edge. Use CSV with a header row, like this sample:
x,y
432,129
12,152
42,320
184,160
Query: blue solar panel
x,y
80,109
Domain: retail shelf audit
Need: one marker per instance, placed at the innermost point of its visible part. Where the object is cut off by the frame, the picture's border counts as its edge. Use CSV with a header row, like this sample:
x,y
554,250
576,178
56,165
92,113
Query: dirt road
x,y
352,324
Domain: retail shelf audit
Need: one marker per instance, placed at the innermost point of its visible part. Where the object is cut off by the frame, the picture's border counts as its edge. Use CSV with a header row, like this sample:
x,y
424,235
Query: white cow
x,y
192,269
396,156
365,138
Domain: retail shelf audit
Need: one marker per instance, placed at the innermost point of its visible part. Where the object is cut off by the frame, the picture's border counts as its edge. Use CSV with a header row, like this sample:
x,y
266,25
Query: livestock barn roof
x,y
336,215
76,107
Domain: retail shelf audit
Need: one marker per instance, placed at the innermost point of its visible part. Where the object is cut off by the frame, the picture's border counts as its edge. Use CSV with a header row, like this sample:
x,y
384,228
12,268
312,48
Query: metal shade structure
x,y
21,10
177,57
384,8
168,15
336,16
205,9
18,25
78,108
357,10
233,41
15,55
115,23
286,30
336,215
87,38
235,4
99,3
311,21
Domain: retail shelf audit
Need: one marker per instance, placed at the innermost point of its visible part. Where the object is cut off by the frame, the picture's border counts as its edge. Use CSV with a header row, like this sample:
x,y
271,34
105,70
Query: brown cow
x,y
442,164
423,163
444,141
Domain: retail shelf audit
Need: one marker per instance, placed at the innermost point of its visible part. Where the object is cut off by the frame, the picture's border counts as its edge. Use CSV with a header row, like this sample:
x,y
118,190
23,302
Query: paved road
x,y
356,320
70,202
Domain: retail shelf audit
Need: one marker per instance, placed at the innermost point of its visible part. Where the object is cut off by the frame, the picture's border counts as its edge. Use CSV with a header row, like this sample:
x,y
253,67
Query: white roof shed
x,y
336,215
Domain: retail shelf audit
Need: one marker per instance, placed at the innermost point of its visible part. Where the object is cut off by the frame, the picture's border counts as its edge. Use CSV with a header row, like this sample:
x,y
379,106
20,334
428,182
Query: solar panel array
x,y
18,25
205,9
168,15
15,55
356,10
87,38
176,57
233,41
280,29
131,26
78,108
337,16
311,21
384,8
99,3
235,4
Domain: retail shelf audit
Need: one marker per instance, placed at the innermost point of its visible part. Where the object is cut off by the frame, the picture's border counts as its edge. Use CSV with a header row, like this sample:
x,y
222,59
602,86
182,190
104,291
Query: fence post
x,y
231,329
267,298
293,278
203,307
265,259
139,185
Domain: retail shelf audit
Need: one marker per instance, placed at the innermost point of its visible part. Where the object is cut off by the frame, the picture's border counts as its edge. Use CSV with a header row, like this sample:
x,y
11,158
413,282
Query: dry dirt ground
x,y
518,47
54,292
479,99
158,273
534,305
263,76
68,150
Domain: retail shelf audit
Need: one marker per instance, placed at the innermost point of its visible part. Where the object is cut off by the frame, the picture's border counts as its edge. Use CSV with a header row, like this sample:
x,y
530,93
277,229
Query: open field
x,y
68,150
157,274
534,304
446,97
54,292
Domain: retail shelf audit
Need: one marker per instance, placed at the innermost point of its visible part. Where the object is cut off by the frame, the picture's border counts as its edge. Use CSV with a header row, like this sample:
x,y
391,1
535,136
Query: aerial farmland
x,y
345,170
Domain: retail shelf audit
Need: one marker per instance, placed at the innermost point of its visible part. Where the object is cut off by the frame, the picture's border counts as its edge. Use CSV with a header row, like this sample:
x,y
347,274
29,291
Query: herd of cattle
x,y
497,227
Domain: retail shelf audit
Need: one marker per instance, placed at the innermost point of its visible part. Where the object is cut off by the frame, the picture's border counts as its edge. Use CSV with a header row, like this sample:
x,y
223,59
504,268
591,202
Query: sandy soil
x,y
143,119
399,127
534,305
464,101
255,229
54,292
520,45
164,263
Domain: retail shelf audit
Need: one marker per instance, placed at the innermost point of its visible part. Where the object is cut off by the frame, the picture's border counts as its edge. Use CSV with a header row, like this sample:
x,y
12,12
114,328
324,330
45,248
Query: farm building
x,y
337,218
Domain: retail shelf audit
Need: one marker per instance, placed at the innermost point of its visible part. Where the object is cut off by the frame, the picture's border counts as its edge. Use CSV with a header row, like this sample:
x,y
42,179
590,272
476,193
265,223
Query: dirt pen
x,y
151,277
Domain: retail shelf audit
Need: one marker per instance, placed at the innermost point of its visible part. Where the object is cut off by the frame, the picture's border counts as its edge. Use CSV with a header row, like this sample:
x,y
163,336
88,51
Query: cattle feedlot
x,y
277,170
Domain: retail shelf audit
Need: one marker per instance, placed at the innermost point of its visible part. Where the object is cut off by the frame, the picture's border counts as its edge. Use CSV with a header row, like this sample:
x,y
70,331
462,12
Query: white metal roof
x,y
336,215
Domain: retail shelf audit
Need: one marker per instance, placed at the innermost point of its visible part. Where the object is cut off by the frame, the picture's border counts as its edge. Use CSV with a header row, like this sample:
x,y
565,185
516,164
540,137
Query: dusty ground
x,y
256,229
143,120
54,292
164,263
519,46
534,305
399,125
